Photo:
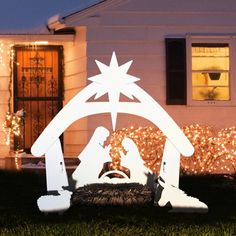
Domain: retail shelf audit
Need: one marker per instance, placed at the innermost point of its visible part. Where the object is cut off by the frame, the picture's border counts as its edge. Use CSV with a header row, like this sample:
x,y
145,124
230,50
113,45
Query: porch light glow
x,y
7,51
41,42
214,151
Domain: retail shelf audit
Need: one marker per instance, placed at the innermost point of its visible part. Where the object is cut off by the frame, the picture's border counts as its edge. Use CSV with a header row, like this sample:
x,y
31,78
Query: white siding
x,y
75,79
4,96
136,31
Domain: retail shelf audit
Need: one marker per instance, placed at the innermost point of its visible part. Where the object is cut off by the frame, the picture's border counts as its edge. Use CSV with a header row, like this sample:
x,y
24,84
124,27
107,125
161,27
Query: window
x,y
210,72
207,75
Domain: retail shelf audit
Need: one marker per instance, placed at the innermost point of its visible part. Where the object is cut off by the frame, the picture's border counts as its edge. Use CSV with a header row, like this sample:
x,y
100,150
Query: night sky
x,y
26,14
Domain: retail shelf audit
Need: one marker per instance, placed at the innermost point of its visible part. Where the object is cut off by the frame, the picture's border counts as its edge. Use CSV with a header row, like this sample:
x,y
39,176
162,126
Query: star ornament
x,y
113,80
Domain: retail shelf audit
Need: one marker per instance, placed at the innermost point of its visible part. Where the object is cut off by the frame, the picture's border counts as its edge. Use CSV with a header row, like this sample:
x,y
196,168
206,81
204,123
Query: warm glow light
x,y
17,162
1,53
6,50
215,152
41,42
13,125
210,72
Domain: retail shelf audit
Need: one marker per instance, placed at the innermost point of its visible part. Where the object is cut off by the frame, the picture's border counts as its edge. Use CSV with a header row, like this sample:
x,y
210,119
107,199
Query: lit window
x,y
210,72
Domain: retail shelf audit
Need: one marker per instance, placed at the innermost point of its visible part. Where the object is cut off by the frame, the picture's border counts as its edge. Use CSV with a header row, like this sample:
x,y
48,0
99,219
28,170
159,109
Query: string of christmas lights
x,y
13,125
215,152
6,49
1,53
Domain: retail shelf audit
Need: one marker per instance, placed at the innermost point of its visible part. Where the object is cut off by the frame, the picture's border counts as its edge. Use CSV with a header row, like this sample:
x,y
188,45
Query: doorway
x,y
38,88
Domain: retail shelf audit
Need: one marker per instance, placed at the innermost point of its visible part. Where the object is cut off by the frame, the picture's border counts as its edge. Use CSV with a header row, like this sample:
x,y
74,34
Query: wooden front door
x,y
38,87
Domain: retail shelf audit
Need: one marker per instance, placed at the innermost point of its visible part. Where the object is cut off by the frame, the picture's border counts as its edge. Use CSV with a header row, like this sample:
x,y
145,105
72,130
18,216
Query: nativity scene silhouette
x,y
114,81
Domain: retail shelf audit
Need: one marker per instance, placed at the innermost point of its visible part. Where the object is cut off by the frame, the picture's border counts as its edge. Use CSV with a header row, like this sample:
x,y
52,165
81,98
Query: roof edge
x,y
84,9
92,10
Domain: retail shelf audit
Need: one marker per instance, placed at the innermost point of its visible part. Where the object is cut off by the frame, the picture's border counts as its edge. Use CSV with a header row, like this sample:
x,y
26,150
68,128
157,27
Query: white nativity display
x,y
114,81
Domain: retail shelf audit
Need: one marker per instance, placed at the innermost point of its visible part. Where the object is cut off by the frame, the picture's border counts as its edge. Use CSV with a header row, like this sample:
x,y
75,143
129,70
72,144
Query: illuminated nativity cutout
x,y
113,81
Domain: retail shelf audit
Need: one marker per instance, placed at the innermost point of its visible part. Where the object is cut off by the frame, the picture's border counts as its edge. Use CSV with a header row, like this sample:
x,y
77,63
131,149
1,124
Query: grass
x,y
20,215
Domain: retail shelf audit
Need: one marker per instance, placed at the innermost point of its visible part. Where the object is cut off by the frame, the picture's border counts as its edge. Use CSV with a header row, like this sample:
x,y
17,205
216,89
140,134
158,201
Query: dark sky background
x,y
26,14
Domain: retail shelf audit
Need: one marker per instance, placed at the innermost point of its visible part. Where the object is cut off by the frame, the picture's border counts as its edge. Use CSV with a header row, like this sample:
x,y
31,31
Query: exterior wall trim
x,y
37,37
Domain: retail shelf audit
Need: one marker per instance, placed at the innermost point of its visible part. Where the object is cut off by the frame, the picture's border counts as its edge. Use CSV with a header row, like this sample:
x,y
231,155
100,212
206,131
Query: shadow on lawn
x,y
20,191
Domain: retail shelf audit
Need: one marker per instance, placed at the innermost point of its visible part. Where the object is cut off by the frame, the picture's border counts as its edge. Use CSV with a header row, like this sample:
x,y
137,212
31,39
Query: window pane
x,y
210,72
210,93
210,63
210,79
210,49
210,58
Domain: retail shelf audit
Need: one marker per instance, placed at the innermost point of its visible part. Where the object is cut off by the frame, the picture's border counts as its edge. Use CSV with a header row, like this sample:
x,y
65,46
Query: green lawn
x,y
20,215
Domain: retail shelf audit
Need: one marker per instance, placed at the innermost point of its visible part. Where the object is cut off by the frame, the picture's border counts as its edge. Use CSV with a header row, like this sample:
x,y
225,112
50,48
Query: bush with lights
x,y
215,152
13,125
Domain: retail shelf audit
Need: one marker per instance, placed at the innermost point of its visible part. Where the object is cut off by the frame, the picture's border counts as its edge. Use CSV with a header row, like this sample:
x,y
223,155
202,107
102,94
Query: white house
x,y
183,51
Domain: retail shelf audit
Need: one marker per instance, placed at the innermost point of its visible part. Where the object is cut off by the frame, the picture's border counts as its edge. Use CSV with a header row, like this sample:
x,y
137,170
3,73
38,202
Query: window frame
x,y
232,67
